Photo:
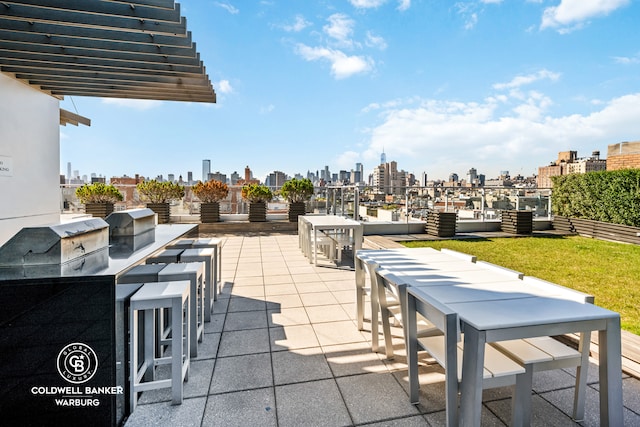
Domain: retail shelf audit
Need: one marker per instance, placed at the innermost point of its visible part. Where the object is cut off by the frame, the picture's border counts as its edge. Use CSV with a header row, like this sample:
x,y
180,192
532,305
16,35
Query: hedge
x,y
607,196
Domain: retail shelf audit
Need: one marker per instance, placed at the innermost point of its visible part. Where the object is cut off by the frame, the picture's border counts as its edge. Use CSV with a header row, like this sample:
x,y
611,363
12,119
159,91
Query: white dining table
x,y
495,307
310,225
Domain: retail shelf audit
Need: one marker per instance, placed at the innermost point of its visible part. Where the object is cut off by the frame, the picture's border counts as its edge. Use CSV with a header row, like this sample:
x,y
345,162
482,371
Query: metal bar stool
x,y
194,272
148,299
205,255
143,274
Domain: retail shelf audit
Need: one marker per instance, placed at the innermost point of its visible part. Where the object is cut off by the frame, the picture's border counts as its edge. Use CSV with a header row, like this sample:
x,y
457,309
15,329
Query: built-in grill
x,y
68,249
130,231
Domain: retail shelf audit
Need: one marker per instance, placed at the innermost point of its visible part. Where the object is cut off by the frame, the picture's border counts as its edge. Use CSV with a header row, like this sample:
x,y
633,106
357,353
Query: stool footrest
x,y
152,385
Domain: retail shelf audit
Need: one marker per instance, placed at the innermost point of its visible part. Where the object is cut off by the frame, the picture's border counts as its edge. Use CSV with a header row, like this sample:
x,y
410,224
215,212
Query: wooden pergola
x,y
136,49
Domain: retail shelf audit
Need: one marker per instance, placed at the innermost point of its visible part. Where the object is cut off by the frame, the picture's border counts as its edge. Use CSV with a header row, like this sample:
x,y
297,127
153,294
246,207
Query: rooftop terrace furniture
x,y
194,273
151,298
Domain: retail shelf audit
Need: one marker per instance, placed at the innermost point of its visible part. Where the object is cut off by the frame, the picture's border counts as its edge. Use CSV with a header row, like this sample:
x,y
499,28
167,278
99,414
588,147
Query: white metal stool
x,y
150,298
202,243
205,255
216,245
194,272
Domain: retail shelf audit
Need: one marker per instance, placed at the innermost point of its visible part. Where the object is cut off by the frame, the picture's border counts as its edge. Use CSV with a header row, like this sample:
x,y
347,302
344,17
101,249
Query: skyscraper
x,y
206,170
383,157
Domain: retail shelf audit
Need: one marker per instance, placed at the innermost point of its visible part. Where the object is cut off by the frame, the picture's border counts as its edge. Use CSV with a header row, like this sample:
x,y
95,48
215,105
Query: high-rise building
x,y
206,169
383,158
217,176
235,176
276,179
190,177
69,171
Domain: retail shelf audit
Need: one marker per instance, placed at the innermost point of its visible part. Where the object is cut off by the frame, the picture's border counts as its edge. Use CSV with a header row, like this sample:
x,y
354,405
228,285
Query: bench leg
x,y
521,400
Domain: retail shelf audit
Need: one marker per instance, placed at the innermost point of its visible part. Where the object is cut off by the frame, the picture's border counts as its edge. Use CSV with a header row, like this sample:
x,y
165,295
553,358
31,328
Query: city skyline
x,y
438,87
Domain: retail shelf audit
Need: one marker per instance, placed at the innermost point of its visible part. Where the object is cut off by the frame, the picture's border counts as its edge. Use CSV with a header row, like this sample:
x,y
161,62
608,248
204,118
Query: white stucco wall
x,y
30,146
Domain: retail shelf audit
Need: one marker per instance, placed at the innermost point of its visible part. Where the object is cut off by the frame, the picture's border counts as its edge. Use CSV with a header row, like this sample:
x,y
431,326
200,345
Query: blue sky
x,y
440,86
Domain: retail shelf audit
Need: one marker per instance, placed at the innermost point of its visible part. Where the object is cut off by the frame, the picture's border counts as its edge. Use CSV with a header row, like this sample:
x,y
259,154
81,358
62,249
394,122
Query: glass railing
x,y
362,202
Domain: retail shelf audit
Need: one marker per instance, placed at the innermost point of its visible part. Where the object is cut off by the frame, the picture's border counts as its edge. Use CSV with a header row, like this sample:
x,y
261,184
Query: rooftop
x,y
283,349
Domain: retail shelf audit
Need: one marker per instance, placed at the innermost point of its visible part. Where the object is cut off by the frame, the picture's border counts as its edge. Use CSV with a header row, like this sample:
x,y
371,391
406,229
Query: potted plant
x,y
159,194
210,193
297,192
98,198
257,195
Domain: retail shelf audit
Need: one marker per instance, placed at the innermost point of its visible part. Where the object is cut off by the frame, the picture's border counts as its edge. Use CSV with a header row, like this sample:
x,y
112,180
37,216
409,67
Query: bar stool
x,y
143,274
194,272
167,256
201,243
216,245
181,244
150,298
211,289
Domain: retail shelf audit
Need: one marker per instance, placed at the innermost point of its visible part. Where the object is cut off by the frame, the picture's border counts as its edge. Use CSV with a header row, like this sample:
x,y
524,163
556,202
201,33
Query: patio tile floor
x,y
283,349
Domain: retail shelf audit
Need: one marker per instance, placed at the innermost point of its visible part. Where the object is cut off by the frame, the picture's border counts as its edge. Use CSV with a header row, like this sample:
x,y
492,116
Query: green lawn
x,y
609,271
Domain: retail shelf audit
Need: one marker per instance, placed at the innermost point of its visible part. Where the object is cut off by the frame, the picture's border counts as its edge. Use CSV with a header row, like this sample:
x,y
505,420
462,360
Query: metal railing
x,y
362,202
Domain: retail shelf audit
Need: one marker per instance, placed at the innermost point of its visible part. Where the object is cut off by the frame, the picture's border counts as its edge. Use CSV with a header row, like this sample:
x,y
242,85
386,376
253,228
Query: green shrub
x,y
607,196
256,193
297,190
98,192
160,192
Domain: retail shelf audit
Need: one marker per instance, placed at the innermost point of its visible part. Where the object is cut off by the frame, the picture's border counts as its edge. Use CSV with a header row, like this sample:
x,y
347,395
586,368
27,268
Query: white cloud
x,y
627,59
375,41
224,87
404,5
467,12
298,25
445,136
347,160
340,28
573,14
228,7
519,81
136,104
367,4
342,65
266,110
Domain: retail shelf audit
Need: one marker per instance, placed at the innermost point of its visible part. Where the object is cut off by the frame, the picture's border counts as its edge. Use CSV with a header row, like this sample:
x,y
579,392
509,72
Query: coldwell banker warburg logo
x,y
77,363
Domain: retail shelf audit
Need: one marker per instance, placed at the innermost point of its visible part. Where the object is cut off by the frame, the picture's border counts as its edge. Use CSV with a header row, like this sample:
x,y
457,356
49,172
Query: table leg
x,y
610,374
472,372
360,283
411,335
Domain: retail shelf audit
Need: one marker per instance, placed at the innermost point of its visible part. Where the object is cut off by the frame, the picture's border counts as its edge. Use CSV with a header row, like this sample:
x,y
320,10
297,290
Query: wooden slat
x,y
119,49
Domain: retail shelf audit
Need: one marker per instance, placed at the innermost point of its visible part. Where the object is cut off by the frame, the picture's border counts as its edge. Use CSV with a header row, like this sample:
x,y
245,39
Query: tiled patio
x,y
283,349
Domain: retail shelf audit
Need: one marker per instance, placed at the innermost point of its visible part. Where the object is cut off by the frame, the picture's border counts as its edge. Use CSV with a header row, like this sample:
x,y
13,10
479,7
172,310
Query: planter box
x,y
441,224
209,212
98,210
597,229
517,222
295,210
163,211
257,212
